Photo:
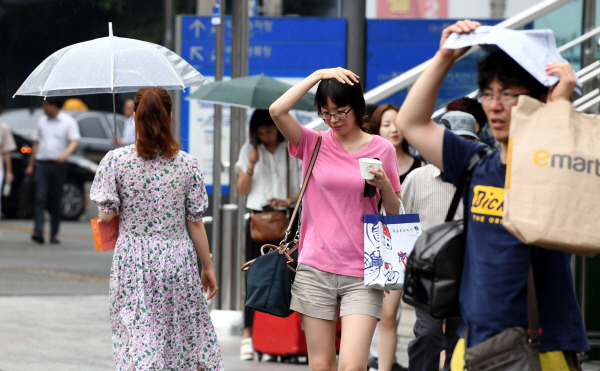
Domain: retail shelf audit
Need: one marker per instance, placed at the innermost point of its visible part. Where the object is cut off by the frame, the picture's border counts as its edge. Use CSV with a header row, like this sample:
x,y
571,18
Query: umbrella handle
x,y
114,116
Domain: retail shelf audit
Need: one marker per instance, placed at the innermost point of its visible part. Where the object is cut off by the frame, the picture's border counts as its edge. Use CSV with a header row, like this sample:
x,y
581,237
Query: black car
x,y
19,203
95,127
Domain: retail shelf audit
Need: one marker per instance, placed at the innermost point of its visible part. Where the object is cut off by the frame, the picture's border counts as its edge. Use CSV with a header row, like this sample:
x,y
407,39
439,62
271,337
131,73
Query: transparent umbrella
x,y
109,65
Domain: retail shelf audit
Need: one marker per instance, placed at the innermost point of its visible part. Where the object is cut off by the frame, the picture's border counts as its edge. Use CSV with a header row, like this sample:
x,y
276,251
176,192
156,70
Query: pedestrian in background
x,y
7,145
473,107
493,288
382,123
382,355
129,125
265,171
160,318
370,108
55,137
330,273
425,193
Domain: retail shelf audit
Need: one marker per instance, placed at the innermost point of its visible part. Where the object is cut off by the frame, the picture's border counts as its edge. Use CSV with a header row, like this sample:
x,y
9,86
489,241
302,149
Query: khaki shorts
x,y
318,294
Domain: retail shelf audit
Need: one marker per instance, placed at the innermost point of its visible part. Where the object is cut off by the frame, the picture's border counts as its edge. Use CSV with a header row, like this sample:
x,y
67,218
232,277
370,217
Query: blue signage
x,y
414,41
288,47
278,47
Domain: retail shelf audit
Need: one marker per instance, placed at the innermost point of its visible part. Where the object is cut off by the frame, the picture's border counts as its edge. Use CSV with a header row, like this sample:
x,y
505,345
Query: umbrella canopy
x,y
256,91
109,65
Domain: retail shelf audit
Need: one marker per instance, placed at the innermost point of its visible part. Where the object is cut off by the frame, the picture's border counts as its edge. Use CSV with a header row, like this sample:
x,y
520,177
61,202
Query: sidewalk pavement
x,y
66,327
73,333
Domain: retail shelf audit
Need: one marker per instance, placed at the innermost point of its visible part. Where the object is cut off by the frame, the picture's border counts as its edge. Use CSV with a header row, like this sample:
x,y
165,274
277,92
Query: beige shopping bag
x,y
552,194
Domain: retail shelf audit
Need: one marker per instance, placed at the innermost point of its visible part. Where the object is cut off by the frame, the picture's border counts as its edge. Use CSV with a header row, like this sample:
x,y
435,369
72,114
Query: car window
x,y
91,127
120,122
21,119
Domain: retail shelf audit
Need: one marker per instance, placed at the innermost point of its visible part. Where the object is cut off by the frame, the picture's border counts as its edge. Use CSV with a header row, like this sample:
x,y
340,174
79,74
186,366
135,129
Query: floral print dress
x,y
159,315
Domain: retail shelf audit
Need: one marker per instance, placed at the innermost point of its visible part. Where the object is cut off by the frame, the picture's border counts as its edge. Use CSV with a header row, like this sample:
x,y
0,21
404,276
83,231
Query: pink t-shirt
x,y
333,206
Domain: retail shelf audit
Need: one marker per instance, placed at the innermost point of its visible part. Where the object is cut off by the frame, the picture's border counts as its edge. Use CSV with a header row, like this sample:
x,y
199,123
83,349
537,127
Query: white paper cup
x,y
367,164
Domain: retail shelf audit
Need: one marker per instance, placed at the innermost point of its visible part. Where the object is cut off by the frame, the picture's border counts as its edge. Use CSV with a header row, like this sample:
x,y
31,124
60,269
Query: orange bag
x,y
105,234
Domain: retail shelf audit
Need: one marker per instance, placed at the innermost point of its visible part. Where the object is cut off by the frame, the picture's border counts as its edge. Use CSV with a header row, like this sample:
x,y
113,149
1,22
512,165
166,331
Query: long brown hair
x,y
153,123
375,123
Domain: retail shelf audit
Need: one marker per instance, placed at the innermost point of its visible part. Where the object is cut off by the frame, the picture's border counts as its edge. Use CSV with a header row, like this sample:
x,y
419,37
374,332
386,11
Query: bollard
x,y
239,258
226,254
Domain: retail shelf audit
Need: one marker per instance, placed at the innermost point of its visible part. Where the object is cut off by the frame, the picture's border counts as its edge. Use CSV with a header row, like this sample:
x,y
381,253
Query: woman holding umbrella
x,y
271,180
159,315
331,260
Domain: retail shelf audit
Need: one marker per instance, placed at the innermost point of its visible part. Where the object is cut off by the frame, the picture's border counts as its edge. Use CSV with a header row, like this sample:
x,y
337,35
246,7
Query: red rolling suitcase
x,y
283,337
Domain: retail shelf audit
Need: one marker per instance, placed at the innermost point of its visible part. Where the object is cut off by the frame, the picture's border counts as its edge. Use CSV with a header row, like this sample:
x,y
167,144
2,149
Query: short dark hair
x,y
55,101
261,117
471,106
499,66
341,95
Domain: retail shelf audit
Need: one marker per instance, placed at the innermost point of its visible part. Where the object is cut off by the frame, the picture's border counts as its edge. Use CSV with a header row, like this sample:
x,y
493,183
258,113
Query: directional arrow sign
x,y
196,51
197,25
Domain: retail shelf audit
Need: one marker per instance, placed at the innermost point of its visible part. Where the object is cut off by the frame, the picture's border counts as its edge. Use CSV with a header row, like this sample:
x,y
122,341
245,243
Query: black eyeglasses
x,y
338,116
505,98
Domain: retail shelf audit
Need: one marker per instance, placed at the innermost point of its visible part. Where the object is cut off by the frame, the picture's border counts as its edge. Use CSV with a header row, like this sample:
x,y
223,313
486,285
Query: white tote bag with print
x,y
388,240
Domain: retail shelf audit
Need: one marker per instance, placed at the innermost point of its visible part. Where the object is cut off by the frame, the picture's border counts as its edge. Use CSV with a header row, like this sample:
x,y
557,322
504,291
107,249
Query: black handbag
x,y
514,349
434,268
270,276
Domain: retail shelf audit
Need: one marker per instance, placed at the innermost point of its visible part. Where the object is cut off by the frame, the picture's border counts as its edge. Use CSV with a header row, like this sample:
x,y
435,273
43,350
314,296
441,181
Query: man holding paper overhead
x,y
493,292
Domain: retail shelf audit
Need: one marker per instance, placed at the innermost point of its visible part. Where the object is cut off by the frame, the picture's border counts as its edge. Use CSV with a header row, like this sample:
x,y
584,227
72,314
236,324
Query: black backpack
x,y
434,268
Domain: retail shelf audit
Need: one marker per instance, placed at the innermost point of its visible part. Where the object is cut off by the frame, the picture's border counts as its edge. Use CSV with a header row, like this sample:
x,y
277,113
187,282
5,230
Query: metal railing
x,y
585,75
406,79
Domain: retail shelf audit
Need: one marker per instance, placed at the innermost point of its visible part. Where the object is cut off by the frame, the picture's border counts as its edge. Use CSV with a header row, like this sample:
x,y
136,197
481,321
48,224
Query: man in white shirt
x,y
54,139
7,145
129,126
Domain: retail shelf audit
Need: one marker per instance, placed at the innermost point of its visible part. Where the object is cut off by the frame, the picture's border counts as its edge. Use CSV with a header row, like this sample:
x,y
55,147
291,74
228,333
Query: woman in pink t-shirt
x,y
331,259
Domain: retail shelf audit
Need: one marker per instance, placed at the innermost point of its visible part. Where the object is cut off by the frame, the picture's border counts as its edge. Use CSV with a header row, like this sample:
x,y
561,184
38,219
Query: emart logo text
x,y
544,158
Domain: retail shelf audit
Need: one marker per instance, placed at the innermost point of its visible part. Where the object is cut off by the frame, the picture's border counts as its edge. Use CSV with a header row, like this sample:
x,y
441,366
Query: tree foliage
x,y
32,30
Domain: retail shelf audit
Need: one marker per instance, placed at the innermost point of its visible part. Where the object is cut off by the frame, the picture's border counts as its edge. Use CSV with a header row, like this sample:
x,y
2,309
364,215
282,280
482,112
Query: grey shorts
x,y
318,294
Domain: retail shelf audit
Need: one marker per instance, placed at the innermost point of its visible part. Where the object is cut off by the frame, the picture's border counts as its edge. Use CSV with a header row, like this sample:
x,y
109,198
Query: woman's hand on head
x,y
460,27
340,74
563,89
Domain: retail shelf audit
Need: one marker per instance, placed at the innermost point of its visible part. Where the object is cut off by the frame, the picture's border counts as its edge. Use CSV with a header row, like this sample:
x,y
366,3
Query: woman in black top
x,y
382,124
